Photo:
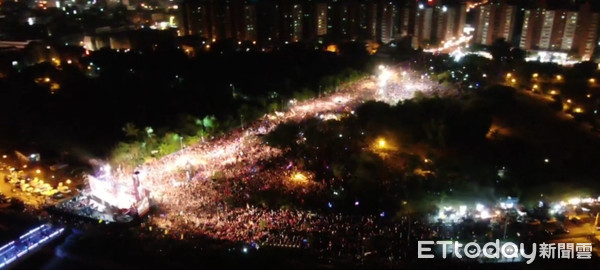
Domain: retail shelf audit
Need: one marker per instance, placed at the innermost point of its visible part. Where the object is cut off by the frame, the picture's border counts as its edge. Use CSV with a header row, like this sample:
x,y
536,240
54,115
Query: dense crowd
x,y
185,184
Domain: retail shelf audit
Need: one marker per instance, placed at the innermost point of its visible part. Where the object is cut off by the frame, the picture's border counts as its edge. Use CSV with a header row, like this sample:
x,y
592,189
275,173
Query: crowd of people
x,y
187,185
329,235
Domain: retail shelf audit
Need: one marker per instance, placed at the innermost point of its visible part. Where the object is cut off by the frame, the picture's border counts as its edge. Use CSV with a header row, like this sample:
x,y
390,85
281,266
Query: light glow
x,y
381,143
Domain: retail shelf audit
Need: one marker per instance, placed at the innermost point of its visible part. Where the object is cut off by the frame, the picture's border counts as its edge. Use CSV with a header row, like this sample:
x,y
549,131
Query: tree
x,y
131,130
128,154
273,106
500,50
303,94
149,132
283,136
517,54
189,124
583,70
209,122
169,143
248,112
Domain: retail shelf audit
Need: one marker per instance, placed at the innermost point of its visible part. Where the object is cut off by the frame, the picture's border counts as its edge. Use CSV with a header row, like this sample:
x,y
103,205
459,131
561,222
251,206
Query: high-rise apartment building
x,y
567,31
586,33
546,29
296,23
321,19
367,20
250,31
404,24
389,22
494,21
530,30
422,27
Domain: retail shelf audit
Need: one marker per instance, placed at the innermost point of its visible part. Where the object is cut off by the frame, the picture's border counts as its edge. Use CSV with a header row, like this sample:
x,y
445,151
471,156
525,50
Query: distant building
x,y
546,29
321,19
404,25
389,22
423,27
250,27
565,31
449,22
494,21
124,38
461,19
586,33
565,24
268,21
345,20
223,26
215,19
445,20
195,18
296,23
367,20
530,31
506,23
275,21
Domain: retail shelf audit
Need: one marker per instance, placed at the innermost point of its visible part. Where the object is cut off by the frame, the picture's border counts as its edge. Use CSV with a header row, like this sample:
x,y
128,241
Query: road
x,y
579,233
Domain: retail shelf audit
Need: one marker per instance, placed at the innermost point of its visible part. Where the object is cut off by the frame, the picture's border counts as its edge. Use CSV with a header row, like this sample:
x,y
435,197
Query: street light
x,y
381,143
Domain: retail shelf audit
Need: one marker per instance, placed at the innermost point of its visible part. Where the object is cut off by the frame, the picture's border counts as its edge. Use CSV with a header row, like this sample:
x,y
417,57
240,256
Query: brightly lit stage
x,y
110,197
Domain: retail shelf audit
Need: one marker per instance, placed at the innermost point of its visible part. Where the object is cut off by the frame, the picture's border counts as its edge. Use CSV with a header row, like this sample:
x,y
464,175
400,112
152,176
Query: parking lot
x,y
35,185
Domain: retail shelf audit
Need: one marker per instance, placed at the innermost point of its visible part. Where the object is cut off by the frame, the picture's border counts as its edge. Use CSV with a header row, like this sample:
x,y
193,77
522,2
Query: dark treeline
x,y
98,94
